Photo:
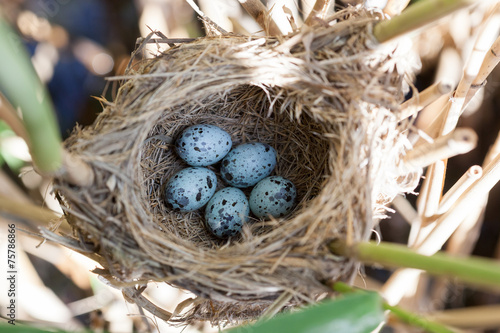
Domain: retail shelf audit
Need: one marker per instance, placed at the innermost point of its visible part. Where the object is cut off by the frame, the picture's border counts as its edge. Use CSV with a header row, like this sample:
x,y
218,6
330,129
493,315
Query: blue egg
x,y
190,189
226,212
248,163
202,145
273,196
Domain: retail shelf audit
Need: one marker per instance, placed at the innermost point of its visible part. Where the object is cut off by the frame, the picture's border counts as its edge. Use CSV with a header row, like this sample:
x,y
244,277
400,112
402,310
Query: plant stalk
x,y
402,315
23,88
416,16
473,270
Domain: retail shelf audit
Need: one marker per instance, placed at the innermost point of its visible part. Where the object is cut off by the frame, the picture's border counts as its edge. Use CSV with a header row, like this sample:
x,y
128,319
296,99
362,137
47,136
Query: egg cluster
x,y
243,166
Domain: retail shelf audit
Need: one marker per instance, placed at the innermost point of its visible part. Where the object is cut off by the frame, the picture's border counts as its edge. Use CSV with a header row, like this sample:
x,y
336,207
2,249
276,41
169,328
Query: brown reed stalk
x,y
424,98
35,215
395,7
458,142
476,317
318,11
490,61
260,14
469,177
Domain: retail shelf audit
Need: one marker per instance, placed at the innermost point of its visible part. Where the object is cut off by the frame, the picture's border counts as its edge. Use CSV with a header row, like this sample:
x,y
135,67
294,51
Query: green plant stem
x,y
416,16
23,88
477,271
402,315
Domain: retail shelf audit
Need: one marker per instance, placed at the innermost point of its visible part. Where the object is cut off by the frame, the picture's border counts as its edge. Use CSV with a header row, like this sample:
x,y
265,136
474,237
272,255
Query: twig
x,y
318,11
460,141
169,41
260,14
395,7
473,270
473,174
424,98
136,297
416,16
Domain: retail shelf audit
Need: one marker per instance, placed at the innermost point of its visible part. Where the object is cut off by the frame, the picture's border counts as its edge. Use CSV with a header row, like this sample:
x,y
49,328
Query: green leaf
x,y
21,85
353,313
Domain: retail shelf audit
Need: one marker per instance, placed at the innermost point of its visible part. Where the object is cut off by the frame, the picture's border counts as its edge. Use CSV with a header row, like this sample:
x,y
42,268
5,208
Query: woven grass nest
x,y
326,98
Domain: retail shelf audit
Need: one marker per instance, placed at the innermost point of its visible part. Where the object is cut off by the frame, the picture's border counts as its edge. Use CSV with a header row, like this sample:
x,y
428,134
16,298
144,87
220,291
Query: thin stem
x,y
416,16
416,320
399,313
23,88
260,14
474,270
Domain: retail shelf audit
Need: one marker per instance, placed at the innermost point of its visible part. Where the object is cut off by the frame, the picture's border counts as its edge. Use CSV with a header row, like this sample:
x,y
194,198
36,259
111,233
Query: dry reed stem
x,y
447,224
476,317
453,110
449,60
319,11
464,238
75,171
434,192
405,209
489,63
32,214
458,142
424,98
485,38
450,197
395,7
402,282
259,12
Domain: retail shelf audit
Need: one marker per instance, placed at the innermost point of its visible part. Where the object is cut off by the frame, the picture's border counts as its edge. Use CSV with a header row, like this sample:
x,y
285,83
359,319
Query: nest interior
x,y
325,98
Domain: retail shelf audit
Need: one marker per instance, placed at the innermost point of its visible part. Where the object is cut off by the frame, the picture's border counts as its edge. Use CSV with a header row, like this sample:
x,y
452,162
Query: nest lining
x,y
323,98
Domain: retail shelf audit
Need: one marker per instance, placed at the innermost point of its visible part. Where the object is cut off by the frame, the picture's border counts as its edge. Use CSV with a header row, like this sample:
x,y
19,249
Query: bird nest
x,y
326,98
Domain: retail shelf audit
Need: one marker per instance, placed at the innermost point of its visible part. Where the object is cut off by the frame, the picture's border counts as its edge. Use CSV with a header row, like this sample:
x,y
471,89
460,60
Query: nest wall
x,y
325,98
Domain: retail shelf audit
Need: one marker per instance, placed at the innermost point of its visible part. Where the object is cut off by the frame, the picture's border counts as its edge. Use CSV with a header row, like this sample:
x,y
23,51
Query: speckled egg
x,y
248,163
226,212
190,189
274,196
202,145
